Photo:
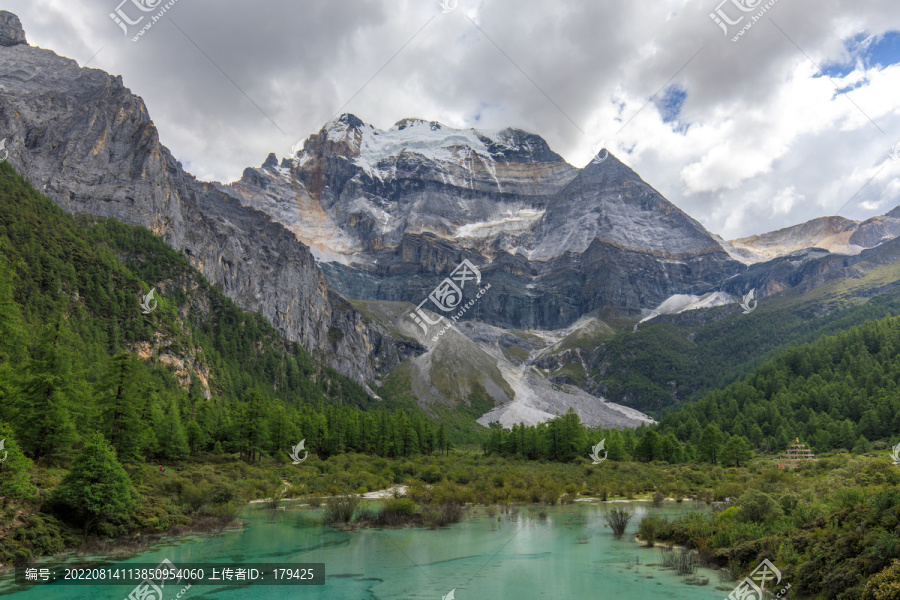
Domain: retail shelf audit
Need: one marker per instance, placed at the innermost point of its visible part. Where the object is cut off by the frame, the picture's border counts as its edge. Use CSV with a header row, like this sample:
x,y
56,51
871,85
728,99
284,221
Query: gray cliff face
x,y
390,212
83,139
11,32
834,234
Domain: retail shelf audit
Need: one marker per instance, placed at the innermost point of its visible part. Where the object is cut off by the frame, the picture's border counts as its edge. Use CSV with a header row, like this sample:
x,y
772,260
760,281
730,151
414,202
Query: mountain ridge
x,y
113,164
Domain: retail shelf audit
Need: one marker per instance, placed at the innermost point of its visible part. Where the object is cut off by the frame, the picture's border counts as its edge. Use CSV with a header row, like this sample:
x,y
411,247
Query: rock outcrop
x,y
83,139
11,31
389,213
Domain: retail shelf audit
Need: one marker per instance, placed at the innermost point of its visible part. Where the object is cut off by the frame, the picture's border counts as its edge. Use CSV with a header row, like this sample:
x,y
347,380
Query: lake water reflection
x,y
568,554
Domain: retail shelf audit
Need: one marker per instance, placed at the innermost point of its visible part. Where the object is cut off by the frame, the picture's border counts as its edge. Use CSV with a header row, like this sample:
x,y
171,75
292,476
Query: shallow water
x,y
525,558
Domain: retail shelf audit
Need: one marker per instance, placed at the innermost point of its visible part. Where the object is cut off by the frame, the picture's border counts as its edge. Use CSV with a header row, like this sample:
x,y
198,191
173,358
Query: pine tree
x,y
442,444
96,488
671,449
279,432
15,468
254,433
150,418
710,444
649,447
118,395
47,431
736,451
173,444
12,329
615,448
196,437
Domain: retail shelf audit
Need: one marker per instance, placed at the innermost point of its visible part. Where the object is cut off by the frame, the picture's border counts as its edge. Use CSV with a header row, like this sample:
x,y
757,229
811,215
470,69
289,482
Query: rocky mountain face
x,y
834,234
336,243
388,212
83,139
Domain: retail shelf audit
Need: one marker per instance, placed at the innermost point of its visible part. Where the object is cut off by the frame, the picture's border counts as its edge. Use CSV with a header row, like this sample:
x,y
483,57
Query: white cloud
x,y
757,120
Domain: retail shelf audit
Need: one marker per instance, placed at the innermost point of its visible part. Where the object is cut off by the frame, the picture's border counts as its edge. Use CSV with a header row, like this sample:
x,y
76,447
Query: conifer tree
x,y
47,432
118,396
710,444
172,438
96,488
15,468
736,451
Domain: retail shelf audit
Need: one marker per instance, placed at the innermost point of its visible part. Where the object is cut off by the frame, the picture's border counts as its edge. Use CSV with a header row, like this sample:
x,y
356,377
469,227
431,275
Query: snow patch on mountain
x,y
680,303
509,220
377,149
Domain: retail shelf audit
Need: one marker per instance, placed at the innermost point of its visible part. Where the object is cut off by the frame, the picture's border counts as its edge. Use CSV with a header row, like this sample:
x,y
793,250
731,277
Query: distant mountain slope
x,y
94,273
387,211
838,392
94,149
673,358
835,234
477,365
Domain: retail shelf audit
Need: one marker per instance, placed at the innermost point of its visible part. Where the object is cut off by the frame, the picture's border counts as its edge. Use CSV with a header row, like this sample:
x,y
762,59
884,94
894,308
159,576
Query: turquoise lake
x,y
521,558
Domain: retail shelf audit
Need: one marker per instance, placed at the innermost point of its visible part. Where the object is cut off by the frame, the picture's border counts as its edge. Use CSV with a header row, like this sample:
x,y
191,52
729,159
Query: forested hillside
x,y
839,392
678,358
194,376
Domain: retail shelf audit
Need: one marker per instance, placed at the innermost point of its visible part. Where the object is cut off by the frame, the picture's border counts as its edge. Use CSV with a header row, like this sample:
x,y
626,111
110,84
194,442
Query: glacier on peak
x,y
430,139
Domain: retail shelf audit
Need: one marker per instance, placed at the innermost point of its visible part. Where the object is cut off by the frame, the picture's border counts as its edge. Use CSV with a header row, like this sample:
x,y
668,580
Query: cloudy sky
x,y
794,120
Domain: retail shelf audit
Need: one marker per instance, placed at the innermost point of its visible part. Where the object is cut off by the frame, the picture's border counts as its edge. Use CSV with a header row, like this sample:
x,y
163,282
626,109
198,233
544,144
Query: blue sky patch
x,y
670,102
870,51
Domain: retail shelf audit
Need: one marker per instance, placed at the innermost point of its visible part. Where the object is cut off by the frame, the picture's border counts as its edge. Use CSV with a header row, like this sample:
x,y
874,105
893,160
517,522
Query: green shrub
x,y
340,509
649,528
758,507
789,502
400,506
618,519
442,515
